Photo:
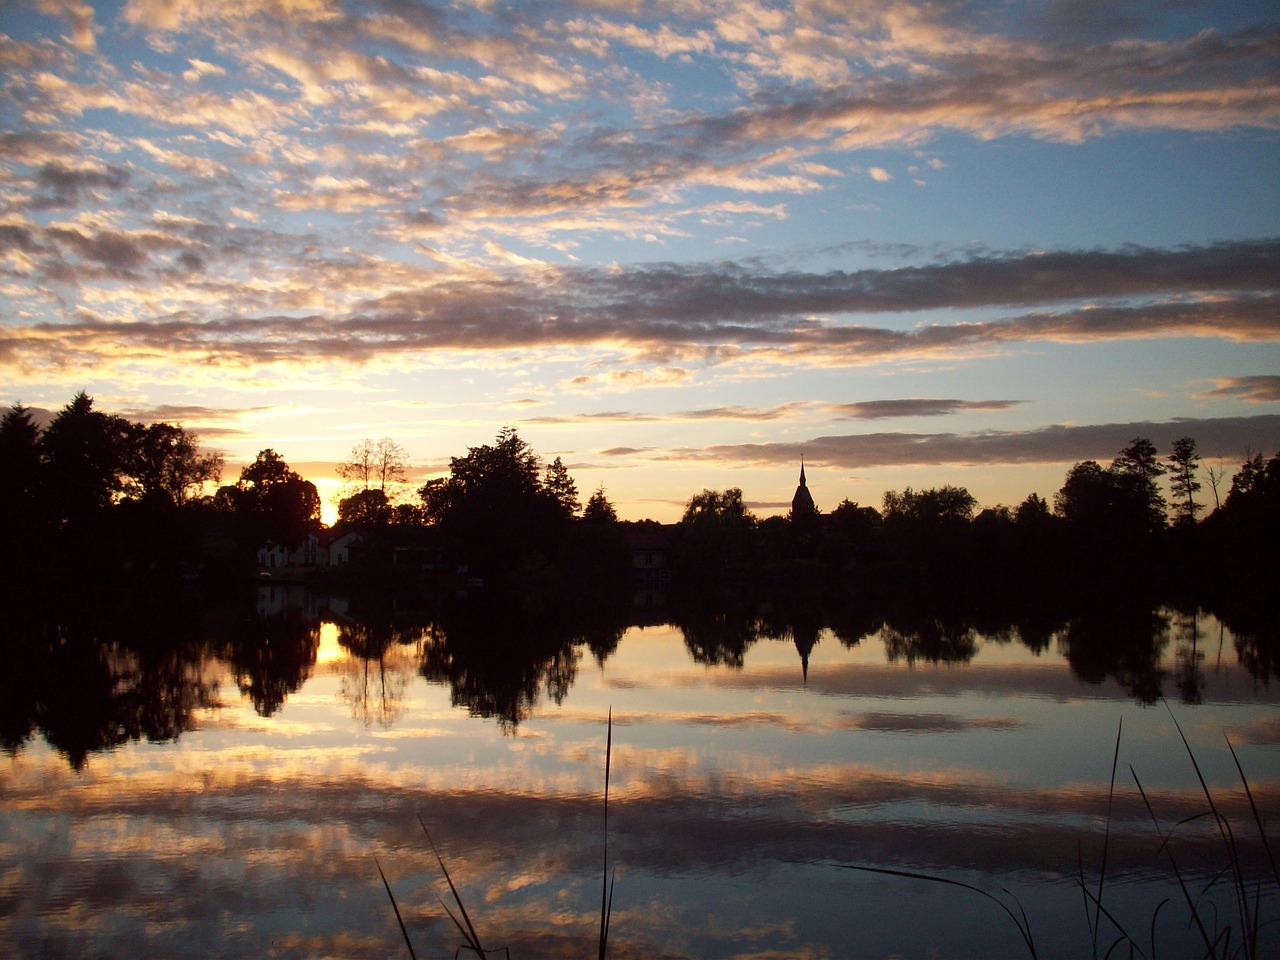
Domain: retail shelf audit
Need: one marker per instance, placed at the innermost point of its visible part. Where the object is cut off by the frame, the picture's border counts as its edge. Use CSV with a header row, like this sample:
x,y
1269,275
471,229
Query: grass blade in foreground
x,y
1106,842
468,932
606,891
1023,925
396,908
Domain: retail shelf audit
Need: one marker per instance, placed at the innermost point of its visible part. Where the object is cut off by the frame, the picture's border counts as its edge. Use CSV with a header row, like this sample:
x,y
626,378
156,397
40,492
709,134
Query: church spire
x,y
802,503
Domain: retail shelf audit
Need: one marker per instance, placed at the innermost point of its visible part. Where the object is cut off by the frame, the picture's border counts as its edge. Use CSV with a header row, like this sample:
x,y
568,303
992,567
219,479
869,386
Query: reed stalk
x,y
467,928
1219,941
606,884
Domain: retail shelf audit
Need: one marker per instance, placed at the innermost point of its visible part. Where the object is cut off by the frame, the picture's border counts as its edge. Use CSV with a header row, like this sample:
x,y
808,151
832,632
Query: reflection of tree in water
x,y
931,639
1122,641
1256,633
852,620
90,679
717,631
603,639
374,677
496,658
271,657
1189,658
1037,628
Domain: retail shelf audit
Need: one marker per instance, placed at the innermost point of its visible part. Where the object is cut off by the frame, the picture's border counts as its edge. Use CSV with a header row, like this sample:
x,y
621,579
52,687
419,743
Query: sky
x,y
680,245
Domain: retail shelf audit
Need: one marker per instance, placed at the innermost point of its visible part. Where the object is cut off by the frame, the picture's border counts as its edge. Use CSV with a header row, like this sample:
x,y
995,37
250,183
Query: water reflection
x,y
88,679
941,742
92,680
497,661
375,675
1123,642
271,656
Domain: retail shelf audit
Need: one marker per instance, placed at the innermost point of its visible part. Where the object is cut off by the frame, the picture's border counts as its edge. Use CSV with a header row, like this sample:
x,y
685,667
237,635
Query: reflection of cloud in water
x,y
926,722
247,856
1264,731
1043,679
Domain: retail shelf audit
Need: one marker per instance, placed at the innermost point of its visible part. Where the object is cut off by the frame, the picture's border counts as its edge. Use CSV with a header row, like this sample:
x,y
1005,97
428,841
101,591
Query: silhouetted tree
x,y
493,511
1256,482
1184,462
19,458
1113,516
1032,512
932,509
375,464
86,456
365,509
274,502
23,533
714,542
599,509
165,463
928,530
561,487
1244,532
599,562
1087,497
1138,470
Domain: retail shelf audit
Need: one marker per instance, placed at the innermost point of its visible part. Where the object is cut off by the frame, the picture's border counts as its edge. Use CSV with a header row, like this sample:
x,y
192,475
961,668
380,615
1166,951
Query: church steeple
x,y
802,503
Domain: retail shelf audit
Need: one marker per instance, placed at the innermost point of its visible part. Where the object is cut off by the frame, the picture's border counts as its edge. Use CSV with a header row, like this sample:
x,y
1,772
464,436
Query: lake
x,y
232,793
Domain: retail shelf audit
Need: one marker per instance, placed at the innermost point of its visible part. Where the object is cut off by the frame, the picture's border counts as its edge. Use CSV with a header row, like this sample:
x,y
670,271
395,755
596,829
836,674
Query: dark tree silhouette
x,y
561,487
24,536
375,465
927,531
1138,470
1114,517
365,509
715,541
19,457
86,456
274,503
599,509
494,513
1184,462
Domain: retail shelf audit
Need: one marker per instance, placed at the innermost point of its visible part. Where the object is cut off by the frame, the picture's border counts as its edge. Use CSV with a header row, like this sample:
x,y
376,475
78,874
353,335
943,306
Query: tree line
x,y
94,496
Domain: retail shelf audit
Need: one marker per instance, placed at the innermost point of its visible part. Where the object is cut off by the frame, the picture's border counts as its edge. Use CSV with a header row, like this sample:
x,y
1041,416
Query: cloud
x,y
748,414
864,410
915,407
65,184
708,313
80,15
1226,437
1257,389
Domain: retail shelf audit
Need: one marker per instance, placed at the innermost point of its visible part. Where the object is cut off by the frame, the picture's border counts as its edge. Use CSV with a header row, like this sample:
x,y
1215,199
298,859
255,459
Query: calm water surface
x,y
738,793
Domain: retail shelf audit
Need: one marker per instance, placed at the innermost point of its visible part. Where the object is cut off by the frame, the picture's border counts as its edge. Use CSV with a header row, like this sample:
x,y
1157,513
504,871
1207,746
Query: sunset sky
x,y
678,244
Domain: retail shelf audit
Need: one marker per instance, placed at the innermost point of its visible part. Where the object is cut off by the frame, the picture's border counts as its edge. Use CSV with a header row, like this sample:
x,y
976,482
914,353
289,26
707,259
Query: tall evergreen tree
x,y
1184,462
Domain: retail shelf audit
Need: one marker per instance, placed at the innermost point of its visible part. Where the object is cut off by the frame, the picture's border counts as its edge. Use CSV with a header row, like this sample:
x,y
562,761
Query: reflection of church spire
x,y
805,641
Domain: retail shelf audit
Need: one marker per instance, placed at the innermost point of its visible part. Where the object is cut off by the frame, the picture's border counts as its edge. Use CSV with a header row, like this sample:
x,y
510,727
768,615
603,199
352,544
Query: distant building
x,y
802,503
805,519
311,552
650,545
